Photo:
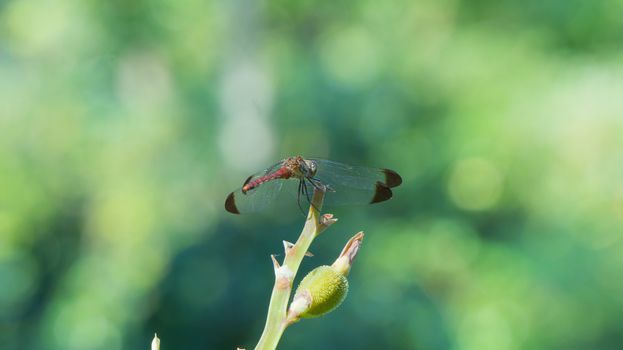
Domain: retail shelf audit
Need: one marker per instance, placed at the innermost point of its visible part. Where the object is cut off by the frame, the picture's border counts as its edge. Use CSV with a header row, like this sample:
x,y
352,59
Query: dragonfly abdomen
x,y
281,173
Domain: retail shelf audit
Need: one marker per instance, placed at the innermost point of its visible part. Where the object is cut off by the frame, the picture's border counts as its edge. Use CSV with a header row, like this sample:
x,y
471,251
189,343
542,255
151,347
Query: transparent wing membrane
x,y
258,198
355,184
254,200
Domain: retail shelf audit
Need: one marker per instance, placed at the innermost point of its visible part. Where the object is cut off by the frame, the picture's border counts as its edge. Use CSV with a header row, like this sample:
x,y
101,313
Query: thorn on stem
x,y
283,274
287,246
325,221
275,263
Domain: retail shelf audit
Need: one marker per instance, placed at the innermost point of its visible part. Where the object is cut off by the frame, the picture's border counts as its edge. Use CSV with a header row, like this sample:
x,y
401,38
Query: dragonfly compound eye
x,y
311,166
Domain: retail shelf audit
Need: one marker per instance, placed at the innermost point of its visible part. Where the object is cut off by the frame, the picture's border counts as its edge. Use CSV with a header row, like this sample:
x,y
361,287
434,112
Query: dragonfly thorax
x,y
301,168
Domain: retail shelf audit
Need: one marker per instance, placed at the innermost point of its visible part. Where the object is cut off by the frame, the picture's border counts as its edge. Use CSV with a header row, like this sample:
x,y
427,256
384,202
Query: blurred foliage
x,y
124,124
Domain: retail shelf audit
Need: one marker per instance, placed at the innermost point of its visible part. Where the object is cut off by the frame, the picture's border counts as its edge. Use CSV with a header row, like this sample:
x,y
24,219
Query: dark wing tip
x,y
230,204
381,193
247,180
392,179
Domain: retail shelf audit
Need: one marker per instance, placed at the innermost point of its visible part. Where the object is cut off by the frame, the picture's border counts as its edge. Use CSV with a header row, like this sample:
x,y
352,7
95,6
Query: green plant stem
x,y
155,343
276,320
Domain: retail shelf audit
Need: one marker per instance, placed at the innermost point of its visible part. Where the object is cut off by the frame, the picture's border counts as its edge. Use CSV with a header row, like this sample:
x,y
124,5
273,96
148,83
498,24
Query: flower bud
x,y
320,292
325,287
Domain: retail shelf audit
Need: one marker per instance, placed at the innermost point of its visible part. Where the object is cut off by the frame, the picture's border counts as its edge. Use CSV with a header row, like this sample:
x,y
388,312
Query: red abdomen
x,y
281,173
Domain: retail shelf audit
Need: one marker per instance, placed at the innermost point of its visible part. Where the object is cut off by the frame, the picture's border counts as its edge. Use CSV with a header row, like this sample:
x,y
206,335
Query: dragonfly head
x,y
308,168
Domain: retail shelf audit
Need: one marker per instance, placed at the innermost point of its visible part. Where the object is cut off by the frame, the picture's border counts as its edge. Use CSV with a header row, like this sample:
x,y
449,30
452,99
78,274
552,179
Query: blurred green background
x,y
124,124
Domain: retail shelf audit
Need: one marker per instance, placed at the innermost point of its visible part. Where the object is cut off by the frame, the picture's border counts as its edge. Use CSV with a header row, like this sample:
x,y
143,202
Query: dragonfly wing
x,y
255,200
355,184
258,198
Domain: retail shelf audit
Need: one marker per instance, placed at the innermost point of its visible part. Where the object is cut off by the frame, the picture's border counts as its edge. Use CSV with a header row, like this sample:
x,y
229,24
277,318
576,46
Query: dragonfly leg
x,y
307,192
298,195
319,185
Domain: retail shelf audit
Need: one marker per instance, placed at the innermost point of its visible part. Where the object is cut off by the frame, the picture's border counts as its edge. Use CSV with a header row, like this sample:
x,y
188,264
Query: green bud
x,y
320,292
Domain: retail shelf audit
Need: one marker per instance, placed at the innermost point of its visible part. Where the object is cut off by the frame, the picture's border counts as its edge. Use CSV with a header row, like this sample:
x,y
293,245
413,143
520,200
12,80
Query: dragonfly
x,y
343,184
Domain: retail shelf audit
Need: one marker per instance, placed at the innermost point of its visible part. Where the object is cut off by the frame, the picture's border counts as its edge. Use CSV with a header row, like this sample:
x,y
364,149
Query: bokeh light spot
x,y
351,56
80,325
53,21
485,329
475,184
246,139
144,83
